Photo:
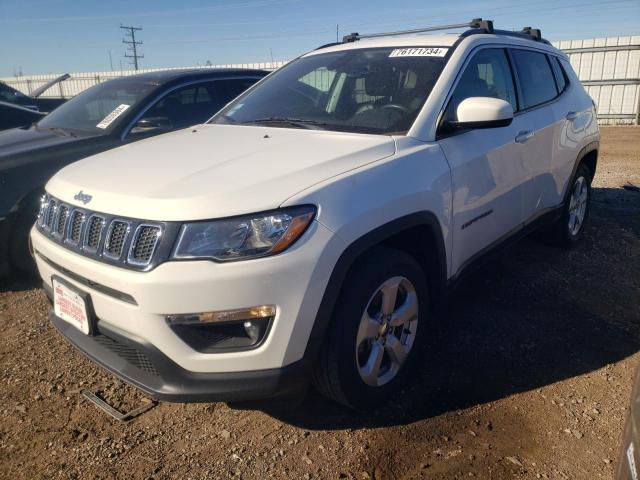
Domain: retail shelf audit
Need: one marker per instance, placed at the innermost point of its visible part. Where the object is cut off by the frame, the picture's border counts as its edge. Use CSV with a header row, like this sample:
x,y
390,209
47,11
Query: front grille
x,y
124,242
144,243
61,220
116,237
94,232
75,227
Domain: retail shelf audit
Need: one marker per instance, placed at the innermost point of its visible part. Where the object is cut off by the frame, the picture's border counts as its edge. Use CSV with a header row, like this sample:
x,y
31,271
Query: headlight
x,y
244,237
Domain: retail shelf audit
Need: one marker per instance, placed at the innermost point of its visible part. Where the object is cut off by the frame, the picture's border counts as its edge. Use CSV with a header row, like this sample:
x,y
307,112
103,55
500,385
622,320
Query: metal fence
x,y
78,82
609,68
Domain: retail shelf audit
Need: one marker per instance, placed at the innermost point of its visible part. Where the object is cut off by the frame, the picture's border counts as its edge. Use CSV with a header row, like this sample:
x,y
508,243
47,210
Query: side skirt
x,y
537,222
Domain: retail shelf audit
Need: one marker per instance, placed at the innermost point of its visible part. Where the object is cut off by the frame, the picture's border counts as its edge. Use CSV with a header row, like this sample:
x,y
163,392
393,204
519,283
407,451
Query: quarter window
x,y
535,77
561,76
487,75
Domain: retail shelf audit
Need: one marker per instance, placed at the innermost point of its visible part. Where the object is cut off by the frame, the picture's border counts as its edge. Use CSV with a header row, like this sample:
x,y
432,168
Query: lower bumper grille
x,y
129,354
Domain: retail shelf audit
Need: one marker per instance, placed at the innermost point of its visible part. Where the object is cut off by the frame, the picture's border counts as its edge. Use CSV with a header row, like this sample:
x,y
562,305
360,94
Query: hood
x,y
214,171
18,141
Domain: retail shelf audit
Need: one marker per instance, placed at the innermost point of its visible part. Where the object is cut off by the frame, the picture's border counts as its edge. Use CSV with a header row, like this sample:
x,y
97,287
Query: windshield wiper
x,y
61,131
296,122
229,119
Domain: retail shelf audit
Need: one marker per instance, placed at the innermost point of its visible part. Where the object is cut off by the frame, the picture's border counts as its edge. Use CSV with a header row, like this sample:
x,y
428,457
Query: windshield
x,y
374,90
98,109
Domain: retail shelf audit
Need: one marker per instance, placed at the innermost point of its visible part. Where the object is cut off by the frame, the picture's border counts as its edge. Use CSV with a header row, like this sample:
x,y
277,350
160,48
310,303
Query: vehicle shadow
x,y
532,316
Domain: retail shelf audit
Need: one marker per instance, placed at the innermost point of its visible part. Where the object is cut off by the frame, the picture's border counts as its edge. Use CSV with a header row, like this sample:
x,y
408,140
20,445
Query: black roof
x,y
164,76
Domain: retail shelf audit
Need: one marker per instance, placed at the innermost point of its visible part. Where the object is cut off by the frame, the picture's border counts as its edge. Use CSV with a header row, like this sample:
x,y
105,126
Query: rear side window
x,y
535,76
561,76
486,75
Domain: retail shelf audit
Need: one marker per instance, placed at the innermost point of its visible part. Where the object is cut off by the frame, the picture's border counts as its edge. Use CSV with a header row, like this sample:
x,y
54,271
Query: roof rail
x,y
534,33
477,23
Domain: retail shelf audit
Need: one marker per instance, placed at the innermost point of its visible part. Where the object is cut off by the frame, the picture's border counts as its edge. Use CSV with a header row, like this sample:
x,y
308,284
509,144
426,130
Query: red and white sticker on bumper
x,y
70,307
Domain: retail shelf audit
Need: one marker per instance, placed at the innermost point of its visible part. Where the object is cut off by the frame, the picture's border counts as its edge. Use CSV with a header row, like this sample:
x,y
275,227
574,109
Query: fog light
x,y
261,311
225,330
252,329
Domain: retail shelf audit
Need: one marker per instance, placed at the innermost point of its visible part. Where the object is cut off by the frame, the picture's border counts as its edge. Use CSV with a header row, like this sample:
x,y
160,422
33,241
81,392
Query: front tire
x,y
376,331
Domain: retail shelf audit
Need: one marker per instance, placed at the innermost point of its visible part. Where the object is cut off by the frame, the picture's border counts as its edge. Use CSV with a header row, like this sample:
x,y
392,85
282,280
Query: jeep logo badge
x,y
82,197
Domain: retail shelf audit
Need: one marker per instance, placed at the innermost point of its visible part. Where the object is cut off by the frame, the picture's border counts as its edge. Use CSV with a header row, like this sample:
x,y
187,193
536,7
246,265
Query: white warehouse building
x,y
608,67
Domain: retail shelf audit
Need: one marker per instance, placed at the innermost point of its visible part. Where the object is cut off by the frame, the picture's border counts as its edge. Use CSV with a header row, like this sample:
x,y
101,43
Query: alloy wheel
x,y
578,205
387,331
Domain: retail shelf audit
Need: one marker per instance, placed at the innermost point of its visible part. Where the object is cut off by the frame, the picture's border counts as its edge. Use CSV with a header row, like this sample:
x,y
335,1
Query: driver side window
x,y
488,74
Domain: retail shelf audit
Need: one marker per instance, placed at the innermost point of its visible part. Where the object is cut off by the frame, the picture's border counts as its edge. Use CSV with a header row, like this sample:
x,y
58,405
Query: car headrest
x,y
381,83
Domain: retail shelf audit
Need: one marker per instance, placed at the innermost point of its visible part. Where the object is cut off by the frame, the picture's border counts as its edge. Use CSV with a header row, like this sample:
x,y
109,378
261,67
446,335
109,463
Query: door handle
x,y
571,116
524,135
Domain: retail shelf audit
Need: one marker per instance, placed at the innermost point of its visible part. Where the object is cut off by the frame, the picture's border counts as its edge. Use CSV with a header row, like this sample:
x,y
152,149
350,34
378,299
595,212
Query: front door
x,y
489,177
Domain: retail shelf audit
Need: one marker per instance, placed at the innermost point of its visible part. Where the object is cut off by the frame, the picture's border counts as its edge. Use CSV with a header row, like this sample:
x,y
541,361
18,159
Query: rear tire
x,y
377,330
569,228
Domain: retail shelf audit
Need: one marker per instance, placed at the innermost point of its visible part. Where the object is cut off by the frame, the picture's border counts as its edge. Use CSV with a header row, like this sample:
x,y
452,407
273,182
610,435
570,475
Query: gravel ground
x,y
530,378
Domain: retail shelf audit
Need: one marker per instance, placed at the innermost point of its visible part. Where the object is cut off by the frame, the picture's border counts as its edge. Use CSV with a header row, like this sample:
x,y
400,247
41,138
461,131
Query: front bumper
x,y
144,366
131,308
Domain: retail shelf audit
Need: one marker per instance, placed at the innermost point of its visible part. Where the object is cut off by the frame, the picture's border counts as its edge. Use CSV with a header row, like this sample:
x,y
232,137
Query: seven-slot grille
x,y
124,241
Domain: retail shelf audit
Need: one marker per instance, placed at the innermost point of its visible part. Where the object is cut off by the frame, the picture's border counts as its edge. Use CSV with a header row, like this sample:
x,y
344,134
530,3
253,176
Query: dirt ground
x,y
530,378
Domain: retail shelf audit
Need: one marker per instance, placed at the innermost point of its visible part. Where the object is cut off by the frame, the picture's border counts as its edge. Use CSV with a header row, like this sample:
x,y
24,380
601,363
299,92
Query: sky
x,y
58,36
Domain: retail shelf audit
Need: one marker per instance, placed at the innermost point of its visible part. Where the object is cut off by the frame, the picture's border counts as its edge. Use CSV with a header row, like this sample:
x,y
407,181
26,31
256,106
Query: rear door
x,y
547,111
488,174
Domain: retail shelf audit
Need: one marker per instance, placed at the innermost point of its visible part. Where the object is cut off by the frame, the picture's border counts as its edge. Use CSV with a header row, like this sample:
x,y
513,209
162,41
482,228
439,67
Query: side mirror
x,y
482,112
151,125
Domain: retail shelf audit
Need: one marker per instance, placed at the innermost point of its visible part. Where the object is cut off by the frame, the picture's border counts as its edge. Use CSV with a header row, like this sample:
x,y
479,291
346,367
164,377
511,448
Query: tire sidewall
x,y
570,238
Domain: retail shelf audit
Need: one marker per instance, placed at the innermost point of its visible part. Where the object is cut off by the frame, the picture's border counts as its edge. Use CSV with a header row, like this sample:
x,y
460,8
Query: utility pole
x,y
110,61
132,44
337,32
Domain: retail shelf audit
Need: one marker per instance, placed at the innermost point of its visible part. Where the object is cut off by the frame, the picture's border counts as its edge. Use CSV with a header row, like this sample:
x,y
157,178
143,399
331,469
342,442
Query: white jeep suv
x,y
305,233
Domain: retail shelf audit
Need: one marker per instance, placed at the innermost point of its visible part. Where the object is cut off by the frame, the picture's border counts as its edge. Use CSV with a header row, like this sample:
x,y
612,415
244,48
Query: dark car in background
x,y
103,117
18,109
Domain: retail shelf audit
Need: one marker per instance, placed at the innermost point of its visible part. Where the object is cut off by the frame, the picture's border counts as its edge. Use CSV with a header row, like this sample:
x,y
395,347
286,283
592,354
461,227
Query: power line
x,y
132,44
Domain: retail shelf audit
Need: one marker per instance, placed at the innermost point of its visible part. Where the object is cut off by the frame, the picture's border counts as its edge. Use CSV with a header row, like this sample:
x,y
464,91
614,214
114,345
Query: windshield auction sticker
x,y
108,120
419,52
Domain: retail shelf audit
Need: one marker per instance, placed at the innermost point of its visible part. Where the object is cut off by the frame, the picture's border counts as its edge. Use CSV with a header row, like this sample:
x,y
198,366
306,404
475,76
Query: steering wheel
x,y
396,106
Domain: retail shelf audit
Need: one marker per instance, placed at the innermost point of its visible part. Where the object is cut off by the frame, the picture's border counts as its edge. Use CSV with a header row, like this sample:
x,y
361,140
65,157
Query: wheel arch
x,y
588,156
406,233
590,160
